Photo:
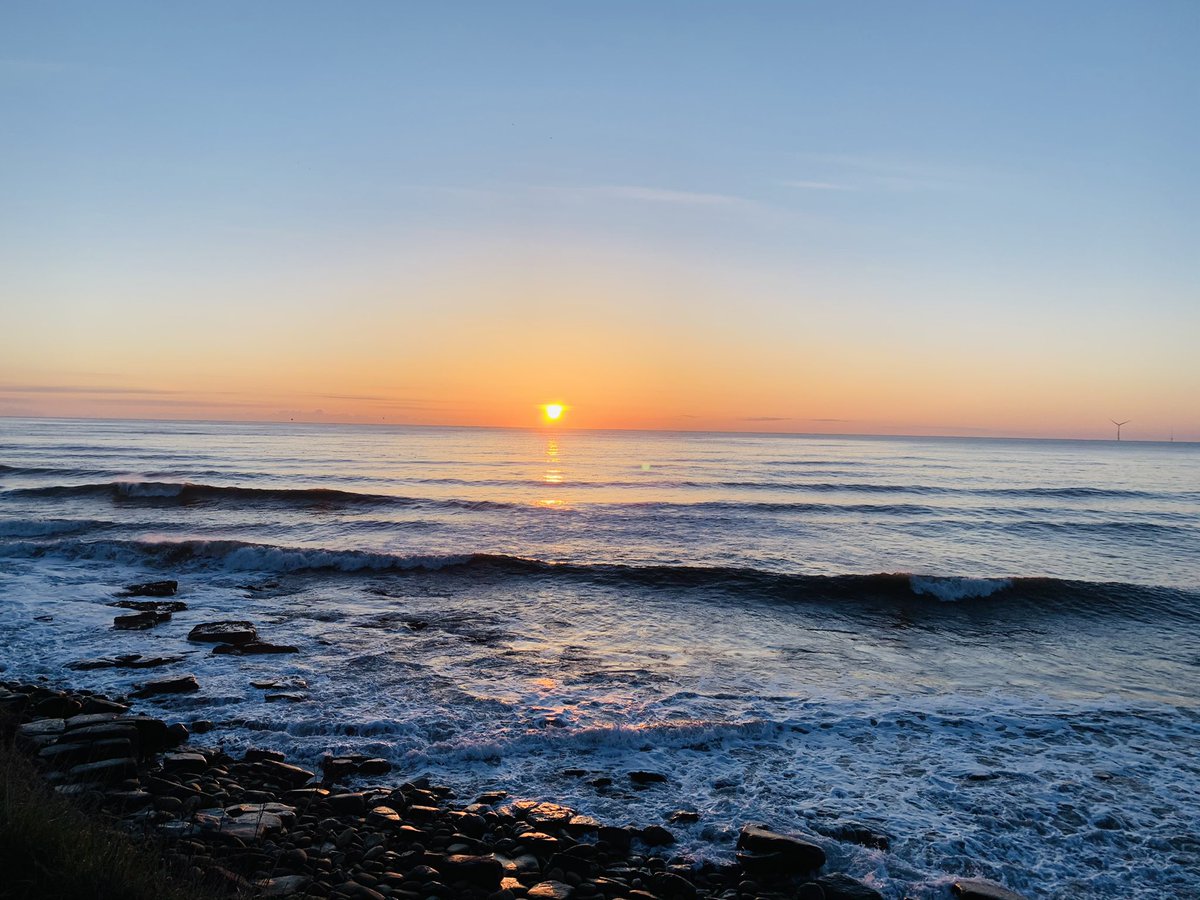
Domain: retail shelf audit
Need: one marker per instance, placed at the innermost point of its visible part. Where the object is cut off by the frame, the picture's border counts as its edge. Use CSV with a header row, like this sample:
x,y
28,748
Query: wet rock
x,y
668,884
647,777
982,889
184,762
129,661
218,823
139,620
656,836
479,871
855,833
286,814
770,853
549,890
227,632
843,887
683,817
150,589
294,776
158,606
284,885
57,706
177,734
66,755
374,766
181,684
99,704
254,647
105,771
285,697
620,839
543,814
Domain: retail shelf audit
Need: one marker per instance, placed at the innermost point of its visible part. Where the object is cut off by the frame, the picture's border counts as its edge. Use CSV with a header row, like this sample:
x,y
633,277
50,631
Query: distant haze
x,y
929,217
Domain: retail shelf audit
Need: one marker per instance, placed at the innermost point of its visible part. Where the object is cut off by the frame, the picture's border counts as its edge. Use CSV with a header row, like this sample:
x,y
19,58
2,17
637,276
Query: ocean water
x,y
988,650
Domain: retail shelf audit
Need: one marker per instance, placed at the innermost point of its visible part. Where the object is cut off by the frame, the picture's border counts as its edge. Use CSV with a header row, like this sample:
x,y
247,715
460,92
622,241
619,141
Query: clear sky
x,y
950,217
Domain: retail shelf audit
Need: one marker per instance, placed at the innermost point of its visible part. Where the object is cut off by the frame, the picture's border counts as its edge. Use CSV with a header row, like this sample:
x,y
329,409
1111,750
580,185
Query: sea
x,y
986,650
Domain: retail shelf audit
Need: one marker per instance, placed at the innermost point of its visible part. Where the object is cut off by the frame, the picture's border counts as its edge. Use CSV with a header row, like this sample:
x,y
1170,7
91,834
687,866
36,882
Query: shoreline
x,y
261,826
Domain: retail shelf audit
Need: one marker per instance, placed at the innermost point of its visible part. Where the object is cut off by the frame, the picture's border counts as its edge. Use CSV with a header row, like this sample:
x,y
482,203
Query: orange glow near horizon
x,y
553,411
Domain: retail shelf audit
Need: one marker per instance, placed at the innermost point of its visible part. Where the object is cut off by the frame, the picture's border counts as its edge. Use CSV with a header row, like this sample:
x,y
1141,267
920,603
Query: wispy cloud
x,y
820,186
765,419
77,389
642,194
847,172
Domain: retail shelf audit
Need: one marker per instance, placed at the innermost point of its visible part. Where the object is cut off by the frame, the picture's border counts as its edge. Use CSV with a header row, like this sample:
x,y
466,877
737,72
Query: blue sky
x,y
947,177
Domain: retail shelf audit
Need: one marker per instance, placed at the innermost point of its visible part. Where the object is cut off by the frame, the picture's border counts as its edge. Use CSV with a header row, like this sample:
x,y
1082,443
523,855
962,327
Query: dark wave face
x,y
986,649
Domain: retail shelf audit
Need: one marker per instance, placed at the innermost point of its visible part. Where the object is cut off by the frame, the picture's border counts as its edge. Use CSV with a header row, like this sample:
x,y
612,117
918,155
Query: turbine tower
x,y
1119,424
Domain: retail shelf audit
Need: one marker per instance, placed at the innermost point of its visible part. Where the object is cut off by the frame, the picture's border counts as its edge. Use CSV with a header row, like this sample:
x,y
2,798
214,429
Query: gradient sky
x,y
954,217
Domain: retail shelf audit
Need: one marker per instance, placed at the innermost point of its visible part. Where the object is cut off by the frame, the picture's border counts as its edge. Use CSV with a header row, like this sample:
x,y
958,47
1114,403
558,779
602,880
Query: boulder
x,y
254,647
478,871
140,620
982,889
549,890
228,632
768,852
843,887
647,777
158,606
180,684
127,661
150,589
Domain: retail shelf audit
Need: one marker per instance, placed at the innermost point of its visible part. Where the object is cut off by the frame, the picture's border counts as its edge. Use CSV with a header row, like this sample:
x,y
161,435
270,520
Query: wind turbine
x,y
1119,424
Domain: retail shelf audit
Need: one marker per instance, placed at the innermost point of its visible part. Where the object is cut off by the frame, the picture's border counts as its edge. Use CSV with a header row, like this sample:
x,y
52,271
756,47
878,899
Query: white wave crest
x,y
952,589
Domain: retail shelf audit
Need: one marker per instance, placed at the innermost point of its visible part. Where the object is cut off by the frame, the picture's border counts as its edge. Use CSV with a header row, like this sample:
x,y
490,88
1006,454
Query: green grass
x,y
52,850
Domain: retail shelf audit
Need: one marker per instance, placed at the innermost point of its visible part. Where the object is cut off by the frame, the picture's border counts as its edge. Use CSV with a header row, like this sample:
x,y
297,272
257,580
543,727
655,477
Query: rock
x,y
258,754
158,606
294,776
354,804
218,823
229,632
202,726
42,727
184,762
683,817
479,871
57,706
769,852
286,814
374,766
99,704
140,620
177,734
105,771
181,684
810,891
647,777
982,889
384,815
130,661
543,814
150,589
843,887
619,839
254,647
668,884
549,890
855,833
284,885
286,697
656,836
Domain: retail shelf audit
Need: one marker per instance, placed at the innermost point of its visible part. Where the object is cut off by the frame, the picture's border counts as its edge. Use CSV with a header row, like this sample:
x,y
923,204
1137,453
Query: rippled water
x,y
496,607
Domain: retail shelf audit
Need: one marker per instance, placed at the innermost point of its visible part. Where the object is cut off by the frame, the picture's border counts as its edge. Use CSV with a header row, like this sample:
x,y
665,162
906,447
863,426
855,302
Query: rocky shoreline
x,y
262,826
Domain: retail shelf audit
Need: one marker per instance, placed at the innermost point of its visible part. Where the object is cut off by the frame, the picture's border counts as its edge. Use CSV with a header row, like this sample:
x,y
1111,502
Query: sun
x,y
553,411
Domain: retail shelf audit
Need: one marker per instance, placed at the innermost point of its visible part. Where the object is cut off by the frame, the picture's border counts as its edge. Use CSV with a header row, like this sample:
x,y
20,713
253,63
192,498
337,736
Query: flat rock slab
x,y
218,823
286,814
255,647
150,589
843,887
140,620
982,889
770,852
182,684
229,632
549,890
284,885
126,661
158,606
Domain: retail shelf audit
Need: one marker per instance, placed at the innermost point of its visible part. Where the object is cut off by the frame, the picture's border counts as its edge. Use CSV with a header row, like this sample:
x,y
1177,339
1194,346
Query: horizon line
x,y
558,428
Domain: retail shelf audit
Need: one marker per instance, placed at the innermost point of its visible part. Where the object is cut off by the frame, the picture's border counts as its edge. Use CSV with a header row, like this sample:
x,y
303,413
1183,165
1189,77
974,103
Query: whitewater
x,y
988,650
